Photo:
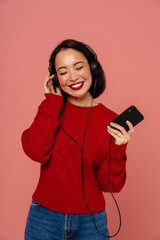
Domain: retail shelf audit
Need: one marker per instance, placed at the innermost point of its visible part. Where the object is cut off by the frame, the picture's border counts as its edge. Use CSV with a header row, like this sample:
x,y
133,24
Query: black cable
x,y
82,170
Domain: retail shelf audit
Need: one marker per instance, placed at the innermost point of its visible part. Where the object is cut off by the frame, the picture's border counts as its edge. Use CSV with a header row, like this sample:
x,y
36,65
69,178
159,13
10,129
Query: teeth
x,y
77,85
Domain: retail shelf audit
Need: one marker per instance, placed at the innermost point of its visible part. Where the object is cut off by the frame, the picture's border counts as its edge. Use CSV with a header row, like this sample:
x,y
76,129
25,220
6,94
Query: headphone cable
x,y
82,170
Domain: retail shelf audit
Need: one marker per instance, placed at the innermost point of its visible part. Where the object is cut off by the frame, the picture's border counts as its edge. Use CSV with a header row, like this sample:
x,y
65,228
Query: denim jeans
x,y
45,224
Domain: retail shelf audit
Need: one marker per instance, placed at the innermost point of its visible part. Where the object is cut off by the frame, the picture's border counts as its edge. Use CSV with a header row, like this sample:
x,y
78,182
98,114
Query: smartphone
x,y
131,114
55,81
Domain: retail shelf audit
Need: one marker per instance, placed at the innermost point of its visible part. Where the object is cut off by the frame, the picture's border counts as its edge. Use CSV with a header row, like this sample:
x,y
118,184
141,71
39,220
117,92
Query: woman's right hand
x,y
48,85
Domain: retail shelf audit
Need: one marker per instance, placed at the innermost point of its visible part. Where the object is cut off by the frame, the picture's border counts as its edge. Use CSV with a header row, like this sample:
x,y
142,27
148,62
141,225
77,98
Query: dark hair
x,y
101,79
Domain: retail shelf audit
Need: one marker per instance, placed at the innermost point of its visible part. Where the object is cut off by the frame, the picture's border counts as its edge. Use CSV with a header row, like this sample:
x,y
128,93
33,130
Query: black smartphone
x,y
131,114
55,81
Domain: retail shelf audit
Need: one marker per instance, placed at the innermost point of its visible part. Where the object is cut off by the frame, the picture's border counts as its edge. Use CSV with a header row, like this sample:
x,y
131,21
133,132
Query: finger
x,y
49,76
48,82
48,73
117,138
112,133
52,76
122,129
130,127
117,132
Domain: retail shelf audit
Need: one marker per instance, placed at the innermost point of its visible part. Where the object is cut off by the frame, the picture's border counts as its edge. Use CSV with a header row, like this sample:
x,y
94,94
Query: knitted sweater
x,y
60,185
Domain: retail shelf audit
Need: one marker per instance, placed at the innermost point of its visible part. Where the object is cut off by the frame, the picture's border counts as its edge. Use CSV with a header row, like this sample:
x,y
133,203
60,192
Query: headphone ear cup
x,y
55,81
94,71
93,65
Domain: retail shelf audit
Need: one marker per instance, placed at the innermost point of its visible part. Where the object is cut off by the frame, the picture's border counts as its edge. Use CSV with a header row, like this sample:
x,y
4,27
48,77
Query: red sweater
x,y
60,185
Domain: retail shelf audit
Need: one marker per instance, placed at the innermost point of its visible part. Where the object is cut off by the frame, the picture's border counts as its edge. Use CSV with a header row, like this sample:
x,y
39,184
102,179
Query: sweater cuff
x,y
116,147
50,99
51,103
53,97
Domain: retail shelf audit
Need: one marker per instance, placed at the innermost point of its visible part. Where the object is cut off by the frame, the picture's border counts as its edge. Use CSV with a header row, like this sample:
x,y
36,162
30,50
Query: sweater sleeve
x,y
38,140
118,159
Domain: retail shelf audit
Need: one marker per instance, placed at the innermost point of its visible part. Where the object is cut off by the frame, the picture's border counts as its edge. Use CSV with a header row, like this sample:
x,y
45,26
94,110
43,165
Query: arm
x,y
118,160
38,140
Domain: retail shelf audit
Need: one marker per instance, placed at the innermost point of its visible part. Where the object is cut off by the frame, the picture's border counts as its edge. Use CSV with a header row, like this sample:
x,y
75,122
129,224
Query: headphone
x,y
94,72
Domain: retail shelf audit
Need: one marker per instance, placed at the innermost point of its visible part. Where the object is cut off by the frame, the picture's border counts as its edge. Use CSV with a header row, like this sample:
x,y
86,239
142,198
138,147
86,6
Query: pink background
x,y
126,37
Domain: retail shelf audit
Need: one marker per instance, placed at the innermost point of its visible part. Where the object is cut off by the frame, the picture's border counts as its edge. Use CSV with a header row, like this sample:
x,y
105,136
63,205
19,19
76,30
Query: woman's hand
x,y
48,86
122,136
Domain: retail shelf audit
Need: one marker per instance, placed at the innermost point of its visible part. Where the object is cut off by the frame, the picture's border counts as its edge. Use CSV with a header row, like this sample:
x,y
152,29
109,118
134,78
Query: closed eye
x,y
62,73
76,69
79,68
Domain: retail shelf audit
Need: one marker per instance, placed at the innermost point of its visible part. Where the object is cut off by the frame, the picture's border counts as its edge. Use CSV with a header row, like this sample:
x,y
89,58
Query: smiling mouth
x,y
77,86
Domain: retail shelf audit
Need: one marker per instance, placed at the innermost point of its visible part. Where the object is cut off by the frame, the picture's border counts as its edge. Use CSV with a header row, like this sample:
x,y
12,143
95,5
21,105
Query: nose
x,y
73,76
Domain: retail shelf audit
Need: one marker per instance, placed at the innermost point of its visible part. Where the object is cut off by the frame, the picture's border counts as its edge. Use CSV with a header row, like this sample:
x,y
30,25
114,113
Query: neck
x,y
84,102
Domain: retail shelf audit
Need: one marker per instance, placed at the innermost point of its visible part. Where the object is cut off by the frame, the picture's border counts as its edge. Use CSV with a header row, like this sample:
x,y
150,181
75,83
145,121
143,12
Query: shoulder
x,y
107,113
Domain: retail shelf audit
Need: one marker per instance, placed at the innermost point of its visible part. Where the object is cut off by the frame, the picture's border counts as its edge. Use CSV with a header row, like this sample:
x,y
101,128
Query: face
x,y
73,73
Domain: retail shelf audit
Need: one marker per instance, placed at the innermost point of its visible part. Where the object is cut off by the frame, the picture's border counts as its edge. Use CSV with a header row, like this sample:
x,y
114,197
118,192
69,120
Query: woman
x,y
74,172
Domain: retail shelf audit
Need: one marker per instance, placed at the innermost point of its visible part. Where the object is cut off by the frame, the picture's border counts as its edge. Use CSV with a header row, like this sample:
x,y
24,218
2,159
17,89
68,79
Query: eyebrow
x,y
73,65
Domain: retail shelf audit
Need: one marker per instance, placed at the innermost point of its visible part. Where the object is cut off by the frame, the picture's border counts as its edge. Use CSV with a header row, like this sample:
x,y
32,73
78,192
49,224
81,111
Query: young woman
x,y
69,139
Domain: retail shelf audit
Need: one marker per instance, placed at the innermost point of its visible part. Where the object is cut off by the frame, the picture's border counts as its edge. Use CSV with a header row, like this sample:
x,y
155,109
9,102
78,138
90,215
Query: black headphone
x,y
93,69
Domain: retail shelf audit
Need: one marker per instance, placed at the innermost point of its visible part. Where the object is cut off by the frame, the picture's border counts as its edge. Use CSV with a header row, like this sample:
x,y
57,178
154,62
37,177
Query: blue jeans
x,y
45,224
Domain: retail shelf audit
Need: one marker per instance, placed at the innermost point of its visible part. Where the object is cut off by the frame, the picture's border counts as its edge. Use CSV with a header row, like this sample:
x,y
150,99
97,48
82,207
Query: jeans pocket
x,y
34,203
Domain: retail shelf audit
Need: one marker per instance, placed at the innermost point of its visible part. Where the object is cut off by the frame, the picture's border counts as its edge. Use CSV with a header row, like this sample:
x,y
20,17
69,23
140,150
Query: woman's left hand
x,y
122,136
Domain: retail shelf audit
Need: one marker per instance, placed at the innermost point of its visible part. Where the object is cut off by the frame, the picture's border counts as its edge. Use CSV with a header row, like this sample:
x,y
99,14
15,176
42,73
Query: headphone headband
x,y
92,51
